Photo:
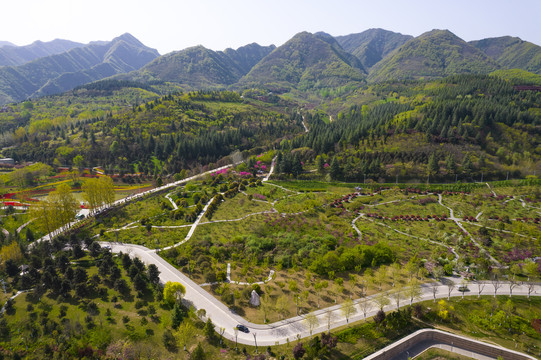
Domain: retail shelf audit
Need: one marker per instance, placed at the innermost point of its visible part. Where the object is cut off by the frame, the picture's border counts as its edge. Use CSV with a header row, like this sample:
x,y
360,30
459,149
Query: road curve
x,y
290,329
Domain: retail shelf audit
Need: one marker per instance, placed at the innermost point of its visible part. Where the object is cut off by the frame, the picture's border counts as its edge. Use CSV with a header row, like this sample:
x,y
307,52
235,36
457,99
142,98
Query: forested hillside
x,y
128,132
467,127
461,128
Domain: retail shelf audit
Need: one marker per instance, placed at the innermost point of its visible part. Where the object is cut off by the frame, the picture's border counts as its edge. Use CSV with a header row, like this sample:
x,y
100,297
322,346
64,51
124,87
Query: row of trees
x,y
98,192
60,207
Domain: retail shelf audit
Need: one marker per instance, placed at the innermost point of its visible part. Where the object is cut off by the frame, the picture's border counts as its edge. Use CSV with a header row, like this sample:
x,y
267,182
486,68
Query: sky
x,y
169,25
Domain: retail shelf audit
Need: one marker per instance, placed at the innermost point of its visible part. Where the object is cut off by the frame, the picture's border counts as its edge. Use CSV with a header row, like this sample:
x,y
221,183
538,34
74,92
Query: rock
x,y
254,299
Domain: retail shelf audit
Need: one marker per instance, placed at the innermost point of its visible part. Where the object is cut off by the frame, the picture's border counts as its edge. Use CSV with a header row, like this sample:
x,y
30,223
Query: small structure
x,y
254,299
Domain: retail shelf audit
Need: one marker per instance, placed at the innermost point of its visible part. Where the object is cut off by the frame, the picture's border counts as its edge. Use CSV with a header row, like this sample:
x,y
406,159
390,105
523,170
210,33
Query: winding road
x,y
290,329
286,330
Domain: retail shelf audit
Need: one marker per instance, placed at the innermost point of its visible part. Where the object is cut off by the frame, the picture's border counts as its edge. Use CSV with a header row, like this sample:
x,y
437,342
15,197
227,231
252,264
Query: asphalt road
x,y
289,329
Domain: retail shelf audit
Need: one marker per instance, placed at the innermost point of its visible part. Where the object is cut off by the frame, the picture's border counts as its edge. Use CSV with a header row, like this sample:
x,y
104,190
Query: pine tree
x,y
336,171
450,164
433,166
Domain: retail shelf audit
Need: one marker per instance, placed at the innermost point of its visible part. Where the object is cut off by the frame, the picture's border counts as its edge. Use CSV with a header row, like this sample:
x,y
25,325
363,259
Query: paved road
x,y
281,331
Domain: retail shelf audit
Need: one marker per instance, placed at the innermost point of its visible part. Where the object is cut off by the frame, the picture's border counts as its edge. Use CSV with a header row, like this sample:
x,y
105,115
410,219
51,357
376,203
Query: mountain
x,y
306,61
434,54
512,52
19,55
6,43
247,56
198,67
62,72
372,45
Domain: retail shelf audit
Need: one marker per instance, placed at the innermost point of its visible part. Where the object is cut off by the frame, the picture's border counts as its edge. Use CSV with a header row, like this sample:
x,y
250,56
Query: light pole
x,y
255,341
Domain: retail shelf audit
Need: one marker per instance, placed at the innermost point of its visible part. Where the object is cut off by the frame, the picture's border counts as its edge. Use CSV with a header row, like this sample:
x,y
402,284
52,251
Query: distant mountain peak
x,y
372,45
436,53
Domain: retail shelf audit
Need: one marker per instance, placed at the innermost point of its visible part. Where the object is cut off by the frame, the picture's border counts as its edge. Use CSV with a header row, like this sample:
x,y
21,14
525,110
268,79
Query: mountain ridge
x,y
12,55
64,71
433,54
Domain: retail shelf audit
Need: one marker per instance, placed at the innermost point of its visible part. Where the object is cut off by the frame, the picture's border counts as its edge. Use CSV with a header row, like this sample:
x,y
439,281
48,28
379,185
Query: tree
x,y
282,306
414,291
352,282
329,316
178,315
173,292
382,300
311,321
366,306
318,286
433,166
98,192
153,274
450,288
496,283
379,318
450,164
394,271
467,165
380,276
78,162
335,170
298,351
198,353
320,164
530,269
185,333
64,203
266,305
348,309
480,287
208,330
397,294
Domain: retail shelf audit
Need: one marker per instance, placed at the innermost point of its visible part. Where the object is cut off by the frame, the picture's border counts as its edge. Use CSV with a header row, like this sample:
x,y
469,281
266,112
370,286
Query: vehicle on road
x,y
463,288
243,328
80,216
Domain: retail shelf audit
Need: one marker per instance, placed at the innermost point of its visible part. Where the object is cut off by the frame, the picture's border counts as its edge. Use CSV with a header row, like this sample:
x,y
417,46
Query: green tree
x,y
208,330
320,164
173,292
78,162
177,316
311,322
433,166
450,164
348,309
467,166
64,203
198,353
335,170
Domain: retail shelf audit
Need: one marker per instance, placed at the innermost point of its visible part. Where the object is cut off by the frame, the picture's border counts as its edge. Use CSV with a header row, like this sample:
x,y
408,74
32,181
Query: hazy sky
x,y
169,25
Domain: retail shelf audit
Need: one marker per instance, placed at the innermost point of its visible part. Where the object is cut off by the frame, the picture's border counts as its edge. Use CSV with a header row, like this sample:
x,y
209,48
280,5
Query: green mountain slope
x,y
18,55
372,45
306,61
62,72
434,54
201,68
247,56
512,52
